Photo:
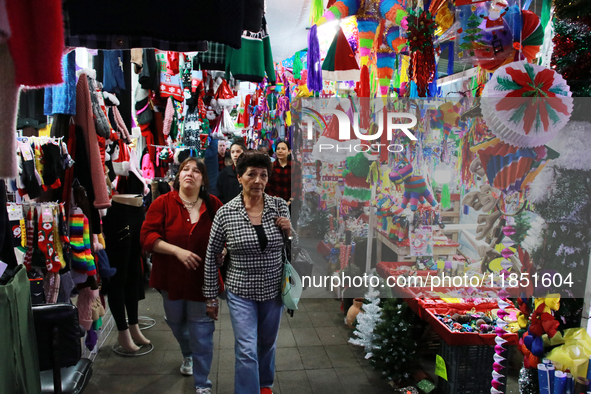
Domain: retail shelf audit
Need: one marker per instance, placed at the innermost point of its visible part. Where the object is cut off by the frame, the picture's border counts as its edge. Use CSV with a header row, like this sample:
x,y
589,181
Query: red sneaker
x,y
266,390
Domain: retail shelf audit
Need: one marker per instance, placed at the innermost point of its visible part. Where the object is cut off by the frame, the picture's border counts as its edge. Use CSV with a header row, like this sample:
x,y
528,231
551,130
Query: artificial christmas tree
x,y
367,321
395,353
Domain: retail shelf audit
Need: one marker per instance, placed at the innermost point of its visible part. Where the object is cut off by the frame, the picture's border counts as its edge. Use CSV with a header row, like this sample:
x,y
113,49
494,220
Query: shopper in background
x,y
252,227
176,230
285,174
222,154
228,186
265,149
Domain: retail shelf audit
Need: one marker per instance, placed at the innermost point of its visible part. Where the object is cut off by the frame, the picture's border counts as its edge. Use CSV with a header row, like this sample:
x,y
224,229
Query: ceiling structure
x,y
287,21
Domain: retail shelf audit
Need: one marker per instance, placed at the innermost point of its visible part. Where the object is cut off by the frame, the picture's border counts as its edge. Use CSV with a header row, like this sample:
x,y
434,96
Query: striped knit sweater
x,y
82,259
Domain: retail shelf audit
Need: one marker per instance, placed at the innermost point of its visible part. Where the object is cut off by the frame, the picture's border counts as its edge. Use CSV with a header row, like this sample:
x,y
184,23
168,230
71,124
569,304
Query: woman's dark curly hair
x,y
253,159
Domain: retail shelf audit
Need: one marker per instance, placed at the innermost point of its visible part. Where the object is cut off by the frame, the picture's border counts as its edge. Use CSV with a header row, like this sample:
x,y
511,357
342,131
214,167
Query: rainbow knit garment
x,y
82,259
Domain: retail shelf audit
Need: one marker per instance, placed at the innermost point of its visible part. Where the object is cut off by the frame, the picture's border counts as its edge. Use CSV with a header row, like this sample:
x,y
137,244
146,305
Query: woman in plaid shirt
x,y
252,227
285,174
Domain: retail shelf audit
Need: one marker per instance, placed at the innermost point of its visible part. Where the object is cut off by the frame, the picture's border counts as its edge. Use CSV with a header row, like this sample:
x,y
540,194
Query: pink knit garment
x,y
84,304
84,118
168,117
121,125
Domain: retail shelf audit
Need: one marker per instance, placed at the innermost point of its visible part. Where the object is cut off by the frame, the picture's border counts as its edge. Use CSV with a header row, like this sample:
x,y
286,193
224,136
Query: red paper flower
x,y
529,97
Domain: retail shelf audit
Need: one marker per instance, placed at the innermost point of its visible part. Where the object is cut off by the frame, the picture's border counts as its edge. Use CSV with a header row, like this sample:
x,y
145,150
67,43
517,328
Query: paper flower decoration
x,y
526,105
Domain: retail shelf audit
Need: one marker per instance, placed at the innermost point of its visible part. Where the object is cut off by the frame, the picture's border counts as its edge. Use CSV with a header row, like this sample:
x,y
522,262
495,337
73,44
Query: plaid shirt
x,y
285,182
221,162
213,59
252,274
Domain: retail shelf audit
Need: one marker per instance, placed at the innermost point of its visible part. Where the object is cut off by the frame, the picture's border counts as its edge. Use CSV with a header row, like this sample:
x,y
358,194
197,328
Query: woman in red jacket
x,y
176,230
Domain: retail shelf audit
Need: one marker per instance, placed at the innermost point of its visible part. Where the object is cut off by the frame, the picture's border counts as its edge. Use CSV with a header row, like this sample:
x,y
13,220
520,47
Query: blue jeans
x,y
256,325
193,330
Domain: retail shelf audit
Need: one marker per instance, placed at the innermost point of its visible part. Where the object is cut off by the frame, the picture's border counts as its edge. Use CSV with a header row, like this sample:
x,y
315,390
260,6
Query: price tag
x,y
15,212
47,215
27,154
440,368
3,267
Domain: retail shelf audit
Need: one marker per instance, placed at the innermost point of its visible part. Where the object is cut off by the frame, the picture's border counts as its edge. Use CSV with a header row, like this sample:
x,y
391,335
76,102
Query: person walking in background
x,y
285,174
228,186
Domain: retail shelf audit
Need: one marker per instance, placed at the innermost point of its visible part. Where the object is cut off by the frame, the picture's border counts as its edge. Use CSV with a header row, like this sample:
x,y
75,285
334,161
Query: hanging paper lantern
x,y
506,253
393,39
340,63
526,105
368,13
509,168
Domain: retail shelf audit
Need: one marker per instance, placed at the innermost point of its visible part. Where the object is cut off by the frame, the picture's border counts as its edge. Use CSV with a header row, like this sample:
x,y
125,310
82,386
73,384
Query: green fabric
x,y
213,59
545,17
19,363
329,60
445,196
297,65
252,61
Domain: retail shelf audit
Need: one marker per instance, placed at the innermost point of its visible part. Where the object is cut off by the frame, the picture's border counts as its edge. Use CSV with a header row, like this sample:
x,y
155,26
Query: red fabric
x,y
345,58
172,63
37,41
147,134
167,219
363,91
280,180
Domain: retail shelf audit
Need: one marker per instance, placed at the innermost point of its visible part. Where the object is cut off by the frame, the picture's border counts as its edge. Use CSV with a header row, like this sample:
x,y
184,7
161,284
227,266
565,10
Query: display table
x,y
427,302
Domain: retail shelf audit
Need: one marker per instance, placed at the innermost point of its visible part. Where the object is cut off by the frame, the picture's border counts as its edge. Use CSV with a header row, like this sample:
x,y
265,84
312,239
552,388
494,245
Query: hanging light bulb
x,y
442,174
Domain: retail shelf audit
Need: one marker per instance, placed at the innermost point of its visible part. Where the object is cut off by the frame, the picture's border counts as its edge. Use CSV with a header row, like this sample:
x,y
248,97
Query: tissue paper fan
x,y
525,104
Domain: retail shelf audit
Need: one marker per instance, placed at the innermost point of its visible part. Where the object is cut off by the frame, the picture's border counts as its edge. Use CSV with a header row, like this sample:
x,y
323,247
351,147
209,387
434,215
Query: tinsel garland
x,y
572,49
314,66
528,381
421,27
573,9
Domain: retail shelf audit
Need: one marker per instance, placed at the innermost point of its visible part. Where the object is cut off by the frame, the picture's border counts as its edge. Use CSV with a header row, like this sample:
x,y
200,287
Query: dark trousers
x,y
121,228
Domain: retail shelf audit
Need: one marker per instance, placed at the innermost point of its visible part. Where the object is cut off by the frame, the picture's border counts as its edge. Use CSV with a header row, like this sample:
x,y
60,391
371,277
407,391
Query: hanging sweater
x,y
84,118
253,60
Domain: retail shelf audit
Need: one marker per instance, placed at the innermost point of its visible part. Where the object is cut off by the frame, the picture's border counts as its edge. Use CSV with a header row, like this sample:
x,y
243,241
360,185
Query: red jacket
x,y
167,219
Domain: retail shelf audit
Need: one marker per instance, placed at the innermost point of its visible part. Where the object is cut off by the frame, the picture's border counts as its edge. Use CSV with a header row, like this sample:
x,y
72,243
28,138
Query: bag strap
x,y
286,239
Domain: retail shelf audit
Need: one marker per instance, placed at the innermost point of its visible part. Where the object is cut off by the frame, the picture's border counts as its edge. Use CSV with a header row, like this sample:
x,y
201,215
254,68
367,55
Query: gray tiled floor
x,y
313,356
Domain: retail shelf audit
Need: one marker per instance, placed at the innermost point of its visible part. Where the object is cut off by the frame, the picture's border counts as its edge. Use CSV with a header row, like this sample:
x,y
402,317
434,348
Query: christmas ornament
x,y
421,27
526,105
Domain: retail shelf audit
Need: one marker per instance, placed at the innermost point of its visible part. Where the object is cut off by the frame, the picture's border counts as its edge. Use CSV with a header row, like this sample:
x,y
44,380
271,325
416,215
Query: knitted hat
x,y
340,63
